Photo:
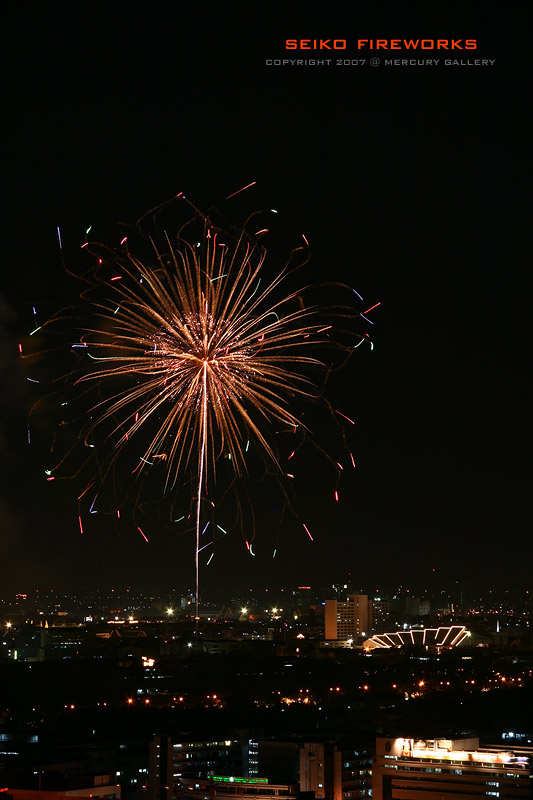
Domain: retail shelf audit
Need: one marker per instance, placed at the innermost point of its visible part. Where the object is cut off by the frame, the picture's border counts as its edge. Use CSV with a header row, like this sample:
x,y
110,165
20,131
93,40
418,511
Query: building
x,y
171,761
433,639
351,619
380,615
279,760
335,771
432,769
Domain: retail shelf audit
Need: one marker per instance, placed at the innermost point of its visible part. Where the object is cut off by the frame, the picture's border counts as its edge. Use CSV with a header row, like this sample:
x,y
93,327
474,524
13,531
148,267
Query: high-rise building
x,y
431,769
380,615
335,771
171,762
350,619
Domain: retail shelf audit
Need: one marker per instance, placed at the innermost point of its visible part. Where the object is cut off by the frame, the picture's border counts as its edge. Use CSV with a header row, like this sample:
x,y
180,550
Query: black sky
x,y
410,184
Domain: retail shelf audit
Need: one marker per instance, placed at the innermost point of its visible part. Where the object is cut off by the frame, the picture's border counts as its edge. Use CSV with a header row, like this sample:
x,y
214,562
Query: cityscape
x,y
283,692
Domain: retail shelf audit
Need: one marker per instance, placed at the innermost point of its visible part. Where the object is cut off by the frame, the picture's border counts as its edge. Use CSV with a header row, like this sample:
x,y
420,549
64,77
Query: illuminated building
x,y
430,638
171,762
431,769
348,620
380,615
335,771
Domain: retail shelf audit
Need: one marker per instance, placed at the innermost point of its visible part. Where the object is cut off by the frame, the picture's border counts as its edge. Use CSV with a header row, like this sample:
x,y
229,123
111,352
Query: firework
x,y
195,354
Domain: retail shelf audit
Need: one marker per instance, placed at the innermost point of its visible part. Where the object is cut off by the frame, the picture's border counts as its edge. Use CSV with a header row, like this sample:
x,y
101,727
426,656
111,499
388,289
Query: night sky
x,y
409,183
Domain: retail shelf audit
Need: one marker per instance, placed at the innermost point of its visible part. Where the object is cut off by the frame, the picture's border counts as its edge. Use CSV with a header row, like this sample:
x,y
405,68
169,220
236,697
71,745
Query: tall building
x,y
335,771
432,769
172,762
348,620
380,615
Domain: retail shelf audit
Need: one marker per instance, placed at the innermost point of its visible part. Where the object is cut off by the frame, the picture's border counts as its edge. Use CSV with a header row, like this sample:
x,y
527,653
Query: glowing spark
x,y
222,529
357,293
337,497
125,239
206,527
32,380
210,559
353,462
251,551
366,319
81,526
306,529
179,520
35,331
372,307
59,238
20,348
142,534
50,479
118,513
345,417
274,554
305,240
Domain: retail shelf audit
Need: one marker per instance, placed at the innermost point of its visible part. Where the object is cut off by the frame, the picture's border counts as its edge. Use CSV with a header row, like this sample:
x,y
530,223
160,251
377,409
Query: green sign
x,y
225,779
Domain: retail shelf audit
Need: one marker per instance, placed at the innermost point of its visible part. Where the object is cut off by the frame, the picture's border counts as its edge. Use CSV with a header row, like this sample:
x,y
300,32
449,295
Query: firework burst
x,y
194,353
